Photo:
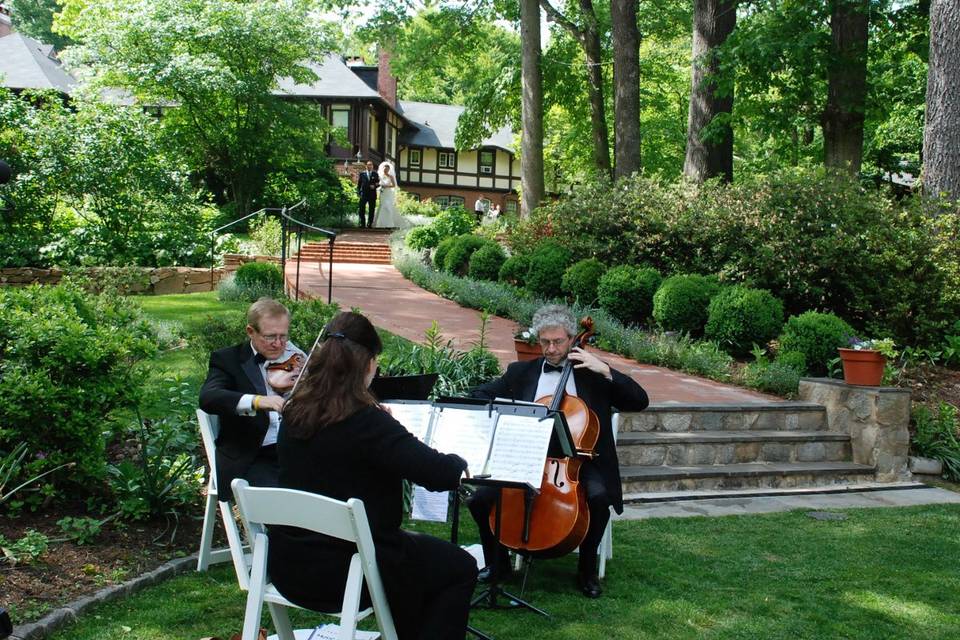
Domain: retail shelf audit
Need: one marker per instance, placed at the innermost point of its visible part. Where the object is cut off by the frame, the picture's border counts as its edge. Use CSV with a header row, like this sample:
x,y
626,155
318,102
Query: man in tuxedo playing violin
x,y
601,388
237,390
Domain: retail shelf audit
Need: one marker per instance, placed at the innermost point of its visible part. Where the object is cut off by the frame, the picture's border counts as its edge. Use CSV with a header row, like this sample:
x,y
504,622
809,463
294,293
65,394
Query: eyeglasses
x,y
274,337
558,342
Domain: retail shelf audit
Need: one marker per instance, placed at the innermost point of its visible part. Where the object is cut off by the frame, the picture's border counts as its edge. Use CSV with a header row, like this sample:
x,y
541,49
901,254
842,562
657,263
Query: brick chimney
x,y
386,81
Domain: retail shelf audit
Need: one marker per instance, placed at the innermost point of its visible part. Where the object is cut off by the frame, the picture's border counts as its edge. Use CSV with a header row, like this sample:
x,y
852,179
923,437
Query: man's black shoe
x,y
589,585
486,575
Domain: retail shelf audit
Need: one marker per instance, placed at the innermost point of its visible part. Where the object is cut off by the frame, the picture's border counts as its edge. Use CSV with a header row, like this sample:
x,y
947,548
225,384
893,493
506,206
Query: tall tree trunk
x,y
626,87
842,118
709,156
531,141
941,133
589,39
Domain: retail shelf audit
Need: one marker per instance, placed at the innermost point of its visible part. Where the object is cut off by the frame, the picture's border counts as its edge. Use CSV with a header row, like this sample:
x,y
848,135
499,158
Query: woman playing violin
x,y
601,388
338,442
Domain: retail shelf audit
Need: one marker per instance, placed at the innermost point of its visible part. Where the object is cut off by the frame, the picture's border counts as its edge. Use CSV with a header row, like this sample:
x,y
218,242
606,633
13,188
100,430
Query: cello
x,y
556,520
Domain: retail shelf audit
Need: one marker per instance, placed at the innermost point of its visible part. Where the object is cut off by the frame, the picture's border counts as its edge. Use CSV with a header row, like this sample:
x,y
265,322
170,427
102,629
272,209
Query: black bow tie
x,y
259,358
547,367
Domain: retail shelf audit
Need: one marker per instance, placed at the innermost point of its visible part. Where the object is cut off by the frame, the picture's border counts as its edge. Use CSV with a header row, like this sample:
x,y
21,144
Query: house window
x,y
391,136
413,196
456,201
448,159
414,157
374,129
340,118
511,206
486,161
441,201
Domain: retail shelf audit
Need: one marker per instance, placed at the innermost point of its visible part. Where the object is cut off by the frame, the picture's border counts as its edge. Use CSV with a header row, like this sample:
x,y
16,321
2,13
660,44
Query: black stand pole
x,y
489,595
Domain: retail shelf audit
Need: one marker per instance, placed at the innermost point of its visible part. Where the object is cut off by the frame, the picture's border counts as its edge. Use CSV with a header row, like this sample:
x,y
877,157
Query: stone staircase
x,y
346,251
777,445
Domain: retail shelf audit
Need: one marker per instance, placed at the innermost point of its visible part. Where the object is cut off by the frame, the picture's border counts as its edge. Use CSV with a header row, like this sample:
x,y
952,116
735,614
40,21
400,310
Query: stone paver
x,y
399,306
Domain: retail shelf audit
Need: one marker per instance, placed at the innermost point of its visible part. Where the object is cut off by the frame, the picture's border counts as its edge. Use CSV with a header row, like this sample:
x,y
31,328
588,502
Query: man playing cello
x,y
601,388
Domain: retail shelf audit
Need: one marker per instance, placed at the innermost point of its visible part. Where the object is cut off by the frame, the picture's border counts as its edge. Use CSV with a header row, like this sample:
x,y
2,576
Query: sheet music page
x,y
429,505
464,432
520,449
415,417
331,631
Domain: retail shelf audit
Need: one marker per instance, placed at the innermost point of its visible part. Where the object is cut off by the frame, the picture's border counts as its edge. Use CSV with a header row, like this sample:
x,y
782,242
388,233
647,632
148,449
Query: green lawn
x,y
881,573
182,306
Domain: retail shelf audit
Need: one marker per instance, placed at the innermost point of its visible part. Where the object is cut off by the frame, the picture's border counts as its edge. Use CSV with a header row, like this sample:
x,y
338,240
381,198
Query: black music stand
x,y
490,594
403,387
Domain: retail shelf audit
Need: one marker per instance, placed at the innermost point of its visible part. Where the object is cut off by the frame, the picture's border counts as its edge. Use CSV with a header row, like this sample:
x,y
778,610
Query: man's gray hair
x,y
554,315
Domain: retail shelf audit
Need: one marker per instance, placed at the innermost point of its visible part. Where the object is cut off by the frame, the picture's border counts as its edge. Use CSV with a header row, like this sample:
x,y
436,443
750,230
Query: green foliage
x,y
407,206
581,278
739,317
485,263
307,318
457,258
817,336
25,550
82,530
453,221
547,264
69,359
681,302
780,377
425,237
514,270
95,184
440,254
627,292
813,238
219,61
265,234
208,332
937,436
257,279
459,370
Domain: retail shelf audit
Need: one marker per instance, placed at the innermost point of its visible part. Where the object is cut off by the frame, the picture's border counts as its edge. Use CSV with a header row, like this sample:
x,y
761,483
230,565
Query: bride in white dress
x,y
387,215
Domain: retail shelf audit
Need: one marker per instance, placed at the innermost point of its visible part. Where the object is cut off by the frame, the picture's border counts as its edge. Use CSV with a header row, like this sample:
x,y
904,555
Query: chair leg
x,y
281,621
258,578
235,542
206,538
606,549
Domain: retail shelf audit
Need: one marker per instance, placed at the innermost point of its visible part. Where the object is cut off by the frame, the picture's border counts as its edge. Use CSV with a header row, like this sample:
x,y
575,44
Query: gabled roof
x,y
335,80
436,126
28,64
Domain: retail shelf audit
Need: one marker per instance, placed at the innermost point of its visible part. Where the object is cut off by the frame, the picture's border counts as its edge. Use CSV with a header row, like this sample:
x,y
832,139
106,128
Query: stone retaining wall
x,y
232,261
877,419
159,280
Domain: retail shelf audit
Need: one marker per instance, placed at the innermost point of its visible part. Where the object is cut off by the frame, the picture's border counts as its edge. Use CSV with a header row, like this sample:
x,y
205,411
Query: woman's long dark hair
x,y
333,386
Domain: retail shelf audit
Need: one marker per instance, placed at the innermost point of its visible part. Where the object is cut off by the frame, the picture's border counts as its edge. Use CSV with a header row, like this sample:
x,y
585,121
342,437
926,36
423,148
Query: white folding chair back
x,y
235,551
606,543
261,507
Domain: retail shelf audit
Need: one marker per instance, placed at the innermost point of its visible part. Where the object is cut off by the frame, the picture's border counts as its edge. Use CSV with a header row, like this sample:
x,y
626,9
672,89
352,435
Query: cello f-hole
x,y
557,482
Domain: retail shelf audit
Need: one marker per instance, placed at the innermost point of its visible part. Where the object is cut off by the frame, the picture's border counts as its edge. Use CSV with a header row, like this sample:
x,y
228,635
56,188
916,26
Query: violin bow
x,y
306,362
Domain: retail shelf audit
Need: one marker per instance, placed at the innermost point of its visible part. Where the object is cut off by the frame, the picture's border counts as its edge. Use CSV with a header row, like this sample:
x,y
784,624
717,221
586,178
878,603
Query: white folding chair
x,y
261,507
235,551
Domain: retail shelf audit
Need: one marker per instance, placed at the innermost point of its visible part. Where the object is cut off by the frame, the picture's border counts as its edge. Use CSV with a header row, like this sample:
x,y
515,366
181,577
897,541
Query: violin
x,y
555,522
282,376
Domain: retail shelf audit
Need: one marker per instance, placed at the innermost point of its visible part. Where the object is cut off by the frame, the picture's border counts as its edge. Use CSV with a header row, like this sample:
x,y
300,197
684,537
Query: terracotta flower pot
x,y
862,367
527,351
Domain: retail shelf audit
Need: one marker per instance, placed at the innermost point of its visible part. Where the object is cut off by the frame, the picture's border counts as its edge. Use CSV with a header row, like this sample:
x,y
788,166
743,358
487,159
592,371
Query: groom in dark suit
x,y
236,390
367,183
601,388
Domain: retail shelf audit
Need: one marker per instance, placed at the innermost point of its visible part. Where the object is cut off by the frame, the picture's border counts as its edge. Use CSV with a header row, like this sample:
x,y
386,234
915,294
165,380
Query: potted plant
x,y
864,362
526,344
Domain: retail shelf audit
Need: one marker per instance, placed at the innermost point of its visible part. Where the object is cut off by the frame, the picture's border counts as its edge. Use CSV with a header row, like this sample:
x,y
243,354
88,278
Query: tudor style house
x,y
418,137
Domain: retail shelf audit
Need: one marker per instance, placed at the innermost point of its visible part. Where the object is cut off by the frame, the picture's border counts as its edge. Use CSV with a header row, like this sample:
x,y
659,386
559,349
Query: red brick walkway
x,y
399,306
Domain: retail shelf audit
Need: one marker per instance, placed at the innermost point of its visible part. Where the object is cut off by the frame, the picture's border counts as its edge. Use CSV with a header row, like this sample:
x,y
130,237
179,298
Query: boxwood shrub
x,y
680,304
425,237
739,317
461,249
581,278
514,270
440,254
259,274
547,264
627,292
817,336
486,261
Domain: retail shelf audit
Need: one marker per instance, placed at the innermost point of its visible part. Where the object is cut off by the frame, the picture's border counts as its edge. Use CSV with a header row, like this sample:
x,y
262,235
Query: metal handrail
x,y
285,217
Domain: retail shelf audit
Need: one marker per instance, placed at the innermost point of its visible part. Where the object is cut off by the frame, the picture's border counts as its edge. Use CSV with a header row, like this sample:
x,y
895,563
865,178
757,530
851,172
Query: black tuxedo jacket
x,y
233,372
367,185
519,382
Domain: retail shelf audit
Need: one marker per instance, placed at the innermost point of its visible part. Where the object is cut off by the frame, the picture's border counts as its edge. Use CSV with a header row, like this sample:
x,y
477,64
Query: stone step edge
x,y
708,494
636,473
628,438
750,407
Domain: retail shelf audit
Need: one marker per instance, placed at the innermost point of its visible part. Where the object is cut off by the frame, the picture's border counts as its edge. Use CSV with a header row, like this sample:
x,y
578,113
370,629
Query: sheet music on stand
x,y
501,441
